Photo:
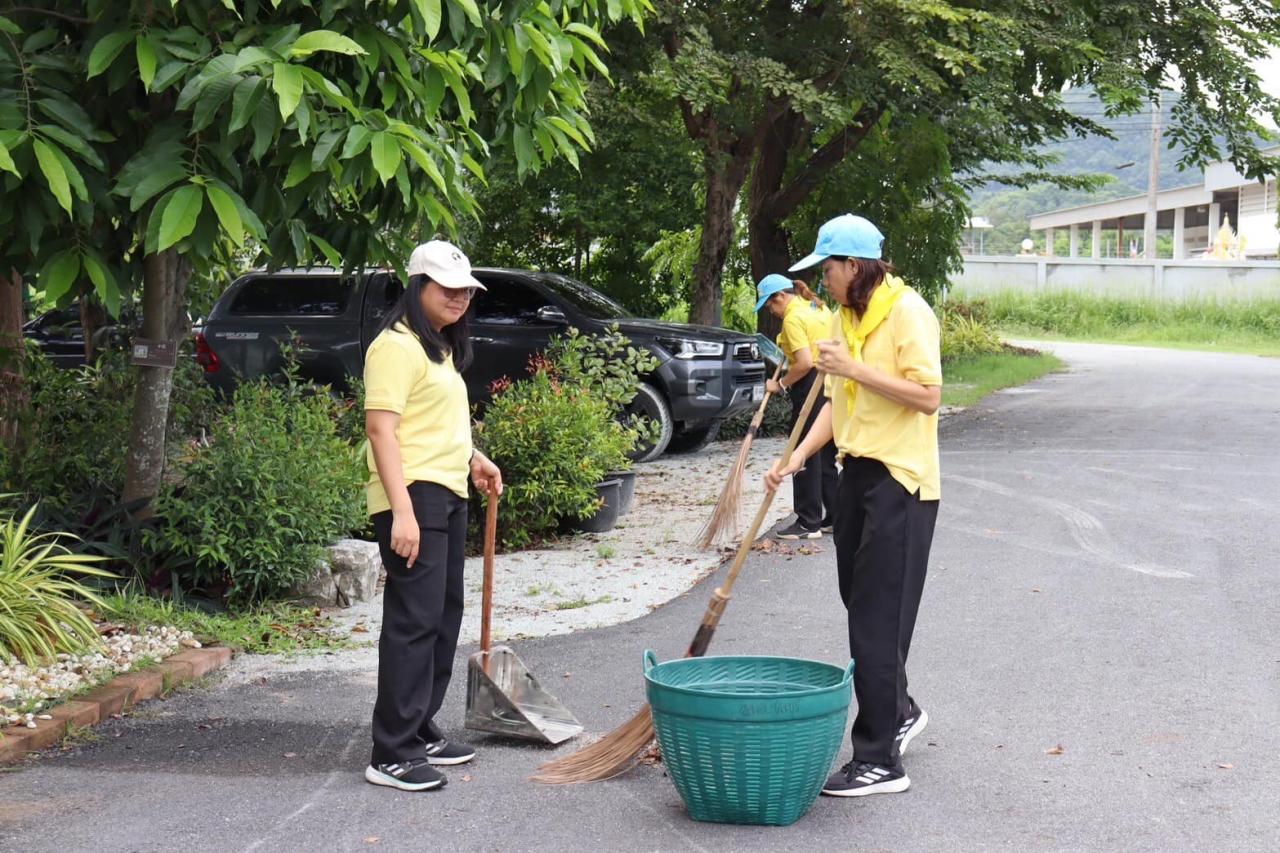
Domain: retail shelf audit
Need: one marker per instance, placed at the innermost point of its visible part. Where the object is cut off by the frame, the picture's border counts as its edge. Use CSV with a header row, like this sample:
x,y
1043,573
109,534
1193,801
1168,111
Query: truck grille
x,y
746,351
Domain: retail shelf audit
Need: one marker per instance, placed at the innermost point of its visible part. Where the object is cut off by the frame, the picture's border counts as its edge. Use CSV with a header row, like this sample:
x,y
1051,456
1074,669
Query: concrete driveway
x,y
1104,581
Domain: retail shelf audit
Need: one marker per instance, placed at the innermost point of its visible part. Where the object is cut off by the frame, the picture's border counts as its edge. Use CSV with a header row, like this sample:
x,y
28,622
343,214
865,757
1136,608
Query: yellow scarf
x,y
856,330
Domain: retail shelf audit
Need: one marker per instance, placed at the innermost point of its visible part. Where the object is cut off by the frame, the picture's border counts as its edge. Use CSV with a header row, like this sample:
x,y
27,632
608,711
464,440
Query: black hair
x,y
454,339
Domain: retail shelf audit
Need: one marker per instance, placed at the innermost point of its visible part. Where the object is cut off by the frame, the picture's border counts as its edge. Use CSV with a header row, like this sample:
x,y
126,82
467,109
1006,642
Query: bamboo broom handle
x,y
720,598
759,416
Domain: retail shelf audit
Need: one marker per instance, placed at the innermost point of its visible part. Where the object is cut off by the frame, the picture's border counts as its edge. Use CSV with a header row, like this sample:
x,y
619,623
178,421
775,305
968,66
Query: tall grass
x,y
1232,326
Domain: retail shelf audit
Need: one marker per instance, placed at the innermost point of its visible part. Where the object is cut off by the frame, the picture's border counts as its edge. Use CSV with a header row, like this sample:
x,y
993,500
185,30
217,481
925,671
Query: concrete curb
x,y
116,696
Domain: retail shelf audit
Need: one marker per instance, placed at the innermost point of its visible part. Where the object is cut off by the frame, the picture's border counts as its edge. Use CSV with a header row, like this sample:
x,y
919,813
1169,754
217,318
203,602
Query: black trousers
x,y
421,617
882,538
813,487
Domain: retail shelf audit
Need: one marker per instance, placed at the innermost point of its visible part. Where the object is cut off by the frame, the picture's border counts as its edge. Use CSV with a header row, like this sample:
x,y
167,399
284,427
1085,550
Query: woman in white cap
x,y
805,321
418,421
884,385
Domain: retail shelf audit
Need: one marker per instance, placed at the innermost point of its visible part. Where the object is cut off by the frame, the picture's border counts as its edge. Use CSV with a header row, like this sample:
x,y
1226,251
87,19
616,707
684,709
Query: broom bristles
x,y
723,526
614,753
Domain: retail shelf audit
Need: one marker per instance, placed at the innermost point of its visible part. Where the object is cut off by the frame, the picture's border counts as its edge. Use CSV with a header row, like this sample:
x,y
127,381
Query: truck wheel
x,y
650,403
694,437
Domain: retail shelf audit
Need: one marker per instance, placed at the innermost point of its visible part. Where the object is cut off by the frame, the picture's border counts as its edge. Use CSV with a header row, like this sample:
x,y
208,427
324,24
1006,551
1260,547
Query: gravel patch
x,y
25,690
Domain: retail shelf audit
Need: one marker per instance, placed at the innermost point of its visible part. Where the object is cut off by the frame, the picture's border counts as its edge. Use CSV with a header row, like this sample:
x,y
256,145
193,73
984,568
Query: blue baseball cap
x,y
769,285
846,236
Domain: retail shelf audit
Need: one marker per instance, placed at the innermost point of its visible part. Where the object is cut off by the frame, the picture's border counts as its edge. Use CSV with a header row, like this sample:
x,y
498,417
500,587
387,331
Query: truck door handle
x,y
481,339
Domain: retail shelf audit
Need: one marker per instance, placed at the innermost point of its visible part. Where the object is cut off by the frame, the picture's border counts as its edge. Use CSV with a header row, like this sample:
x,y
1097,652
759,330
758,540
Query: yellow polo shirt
x,y
435,415
803,325
906,345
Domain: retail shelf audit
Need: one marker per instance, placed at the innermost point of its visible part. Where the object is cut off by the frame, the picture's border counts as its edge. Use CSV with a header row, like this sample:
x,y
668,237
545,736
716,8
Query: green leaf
x,y
54,175
590,33
386,155
156,181
473,12
228,213
59,274
146,53
9,26
324,147
180,216
287,82
325,40
72,173
424,161
357,140
106,50
6,161
245,100
524,148
332,255
430,12
211,99
299,169
104,283
251,56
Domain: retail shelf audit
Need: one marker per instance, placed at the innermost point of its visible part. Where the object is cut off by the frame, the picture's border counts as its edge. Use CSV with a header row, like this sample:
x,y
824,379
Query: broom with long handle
x,y
723,523
616,752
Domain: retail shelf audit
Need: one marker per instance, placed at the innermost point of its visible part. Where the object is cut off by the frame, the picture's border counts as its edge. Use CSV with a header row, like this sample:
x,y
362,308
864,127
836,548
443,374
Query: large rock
x,y
349,573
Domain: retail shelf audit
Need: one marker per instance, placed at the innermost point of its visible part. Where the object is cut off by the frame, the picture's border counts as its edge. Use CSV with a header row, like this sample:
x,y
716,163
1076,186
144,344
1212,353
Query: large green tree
x,y
143,141
780,95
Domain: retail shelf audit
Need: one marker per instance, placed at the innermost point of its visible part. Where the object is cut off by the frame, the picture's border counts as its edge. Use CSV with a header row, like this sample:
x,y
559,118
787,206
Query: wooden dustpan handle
x,y
490,546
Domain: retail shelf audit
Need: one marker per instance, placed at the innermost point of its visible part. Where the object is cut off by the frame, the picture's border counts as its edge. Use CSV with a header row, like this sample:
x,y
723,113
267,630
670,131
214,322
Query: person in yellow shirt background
x,y
884,386
805,321
418,421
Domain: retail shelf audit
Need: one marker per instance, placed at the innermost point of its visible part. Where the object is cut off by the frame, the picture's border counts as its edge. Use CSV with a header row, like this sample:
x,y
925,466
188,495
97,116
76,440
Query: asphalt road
x,y
1104,580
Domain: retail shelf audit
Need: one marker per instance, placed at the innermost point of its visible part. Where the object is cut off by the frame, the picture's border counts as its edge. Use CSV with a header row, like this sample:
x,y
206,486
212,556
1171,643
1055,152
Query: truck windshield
x,y
591,302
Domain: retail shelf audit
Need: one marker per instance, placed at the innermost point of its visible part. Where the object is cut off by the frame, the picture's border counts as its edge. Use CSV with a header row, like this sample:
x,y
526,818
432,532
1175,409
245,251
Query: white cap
x,y
444,264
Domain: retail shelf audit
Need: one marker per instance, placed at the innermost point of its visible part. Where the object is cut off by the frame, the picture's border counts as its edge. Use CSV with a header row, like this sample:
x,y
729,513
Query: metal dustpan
x,y
503,697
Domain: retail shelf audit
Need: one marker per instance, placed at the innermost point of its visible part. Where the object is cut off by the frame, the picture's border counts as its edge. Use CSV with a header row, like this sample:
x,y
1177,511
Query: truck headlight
x,y
685,348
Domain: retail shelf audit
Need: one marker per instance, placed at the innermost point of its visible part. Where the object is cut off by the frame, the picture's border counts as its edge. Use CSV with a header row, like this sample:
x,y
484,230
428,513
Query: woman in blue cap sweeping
x,y
805,321
884,386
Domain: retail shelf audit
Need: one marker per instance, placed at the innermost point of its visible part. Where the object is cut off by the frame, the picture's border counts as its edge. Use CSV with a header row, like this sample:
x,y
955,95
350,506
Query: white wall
x,y
1164,279
1258,218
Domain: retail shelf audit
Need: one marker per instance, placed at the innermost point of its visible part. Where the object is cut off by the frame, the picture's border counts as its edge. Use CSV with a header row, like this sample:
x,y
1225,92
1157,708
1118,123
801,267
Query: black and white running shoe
x,y
415,775
913,725
796,530
447,752
860,778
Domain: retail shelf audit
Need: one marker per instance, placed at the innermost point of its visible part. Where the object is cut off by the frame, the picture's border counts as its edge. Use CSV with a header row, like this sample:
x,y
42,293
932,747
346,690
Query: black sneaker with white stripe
x,y
913,725
860,778
796,530
415,775
447,752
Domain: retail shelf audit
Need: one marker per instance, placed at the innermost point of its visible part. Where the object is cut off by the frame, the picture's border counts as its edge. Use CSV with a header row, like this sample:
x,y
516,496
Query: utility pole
x,y
1153,184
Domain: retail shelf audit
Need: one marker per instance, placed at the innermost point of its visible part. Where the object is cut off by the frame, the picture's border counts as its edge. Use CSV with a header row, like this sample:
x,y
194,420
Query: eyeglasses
x,y
463,293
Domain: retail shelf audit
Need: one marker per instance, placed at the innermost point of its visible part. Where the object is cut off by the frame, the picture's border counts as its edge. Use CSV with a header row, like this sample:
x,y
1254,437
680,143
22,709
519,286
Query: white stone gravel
x,y
22,686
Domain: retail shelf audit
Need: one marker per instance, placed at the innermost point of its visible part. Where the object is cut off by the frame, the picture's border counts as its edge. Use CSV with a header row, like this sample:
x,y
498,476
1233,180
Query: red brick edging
x,y
117,695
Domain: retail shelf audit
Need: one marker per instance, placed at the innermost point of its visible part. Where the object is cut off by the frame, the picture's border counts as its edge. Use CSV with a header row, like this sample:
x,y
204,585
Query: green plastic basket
x,y
748,739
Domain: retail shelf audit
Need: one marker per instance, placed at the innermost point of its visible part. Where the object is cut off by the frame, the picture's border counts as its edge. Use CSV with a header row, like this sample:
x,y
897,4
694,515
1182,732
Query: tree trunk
x,y
13,394
768,240
93,317
164,287
725,175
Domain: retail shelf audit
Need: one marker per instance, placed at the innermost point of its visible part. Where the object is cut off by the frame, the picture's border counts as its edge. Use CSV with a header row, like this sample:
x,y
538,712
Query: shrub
x,y
966,334
554,441
72,435
39,612
610,368
253,507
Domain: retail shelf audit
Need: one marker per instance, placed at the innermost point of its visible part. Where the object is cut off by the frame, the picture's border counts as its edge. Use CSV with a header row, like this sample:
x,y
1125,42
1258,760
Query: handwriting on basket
x,y
759,710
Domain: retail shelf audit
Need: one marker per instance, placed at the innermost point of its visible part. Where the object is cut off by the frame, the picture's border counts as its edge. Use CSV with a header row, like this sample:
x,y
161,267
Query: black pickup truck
x,y
705,374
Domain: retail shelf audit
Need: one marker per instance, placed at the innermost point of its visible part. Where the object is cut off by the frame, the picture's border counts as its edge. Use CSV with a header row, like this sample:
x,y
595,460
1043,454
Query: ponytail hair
x,y
803,291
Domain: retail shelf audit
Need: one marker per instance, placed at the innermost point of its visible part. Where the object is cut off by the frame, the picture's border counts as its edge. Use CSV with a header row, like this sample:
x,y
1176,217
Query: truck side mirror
x,y
551,314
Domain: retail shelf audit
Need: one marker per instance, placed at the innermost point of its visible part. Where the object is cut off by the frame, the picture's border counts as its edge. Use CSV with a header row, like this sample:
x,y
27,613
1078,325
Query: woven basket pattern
x,y
748,739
